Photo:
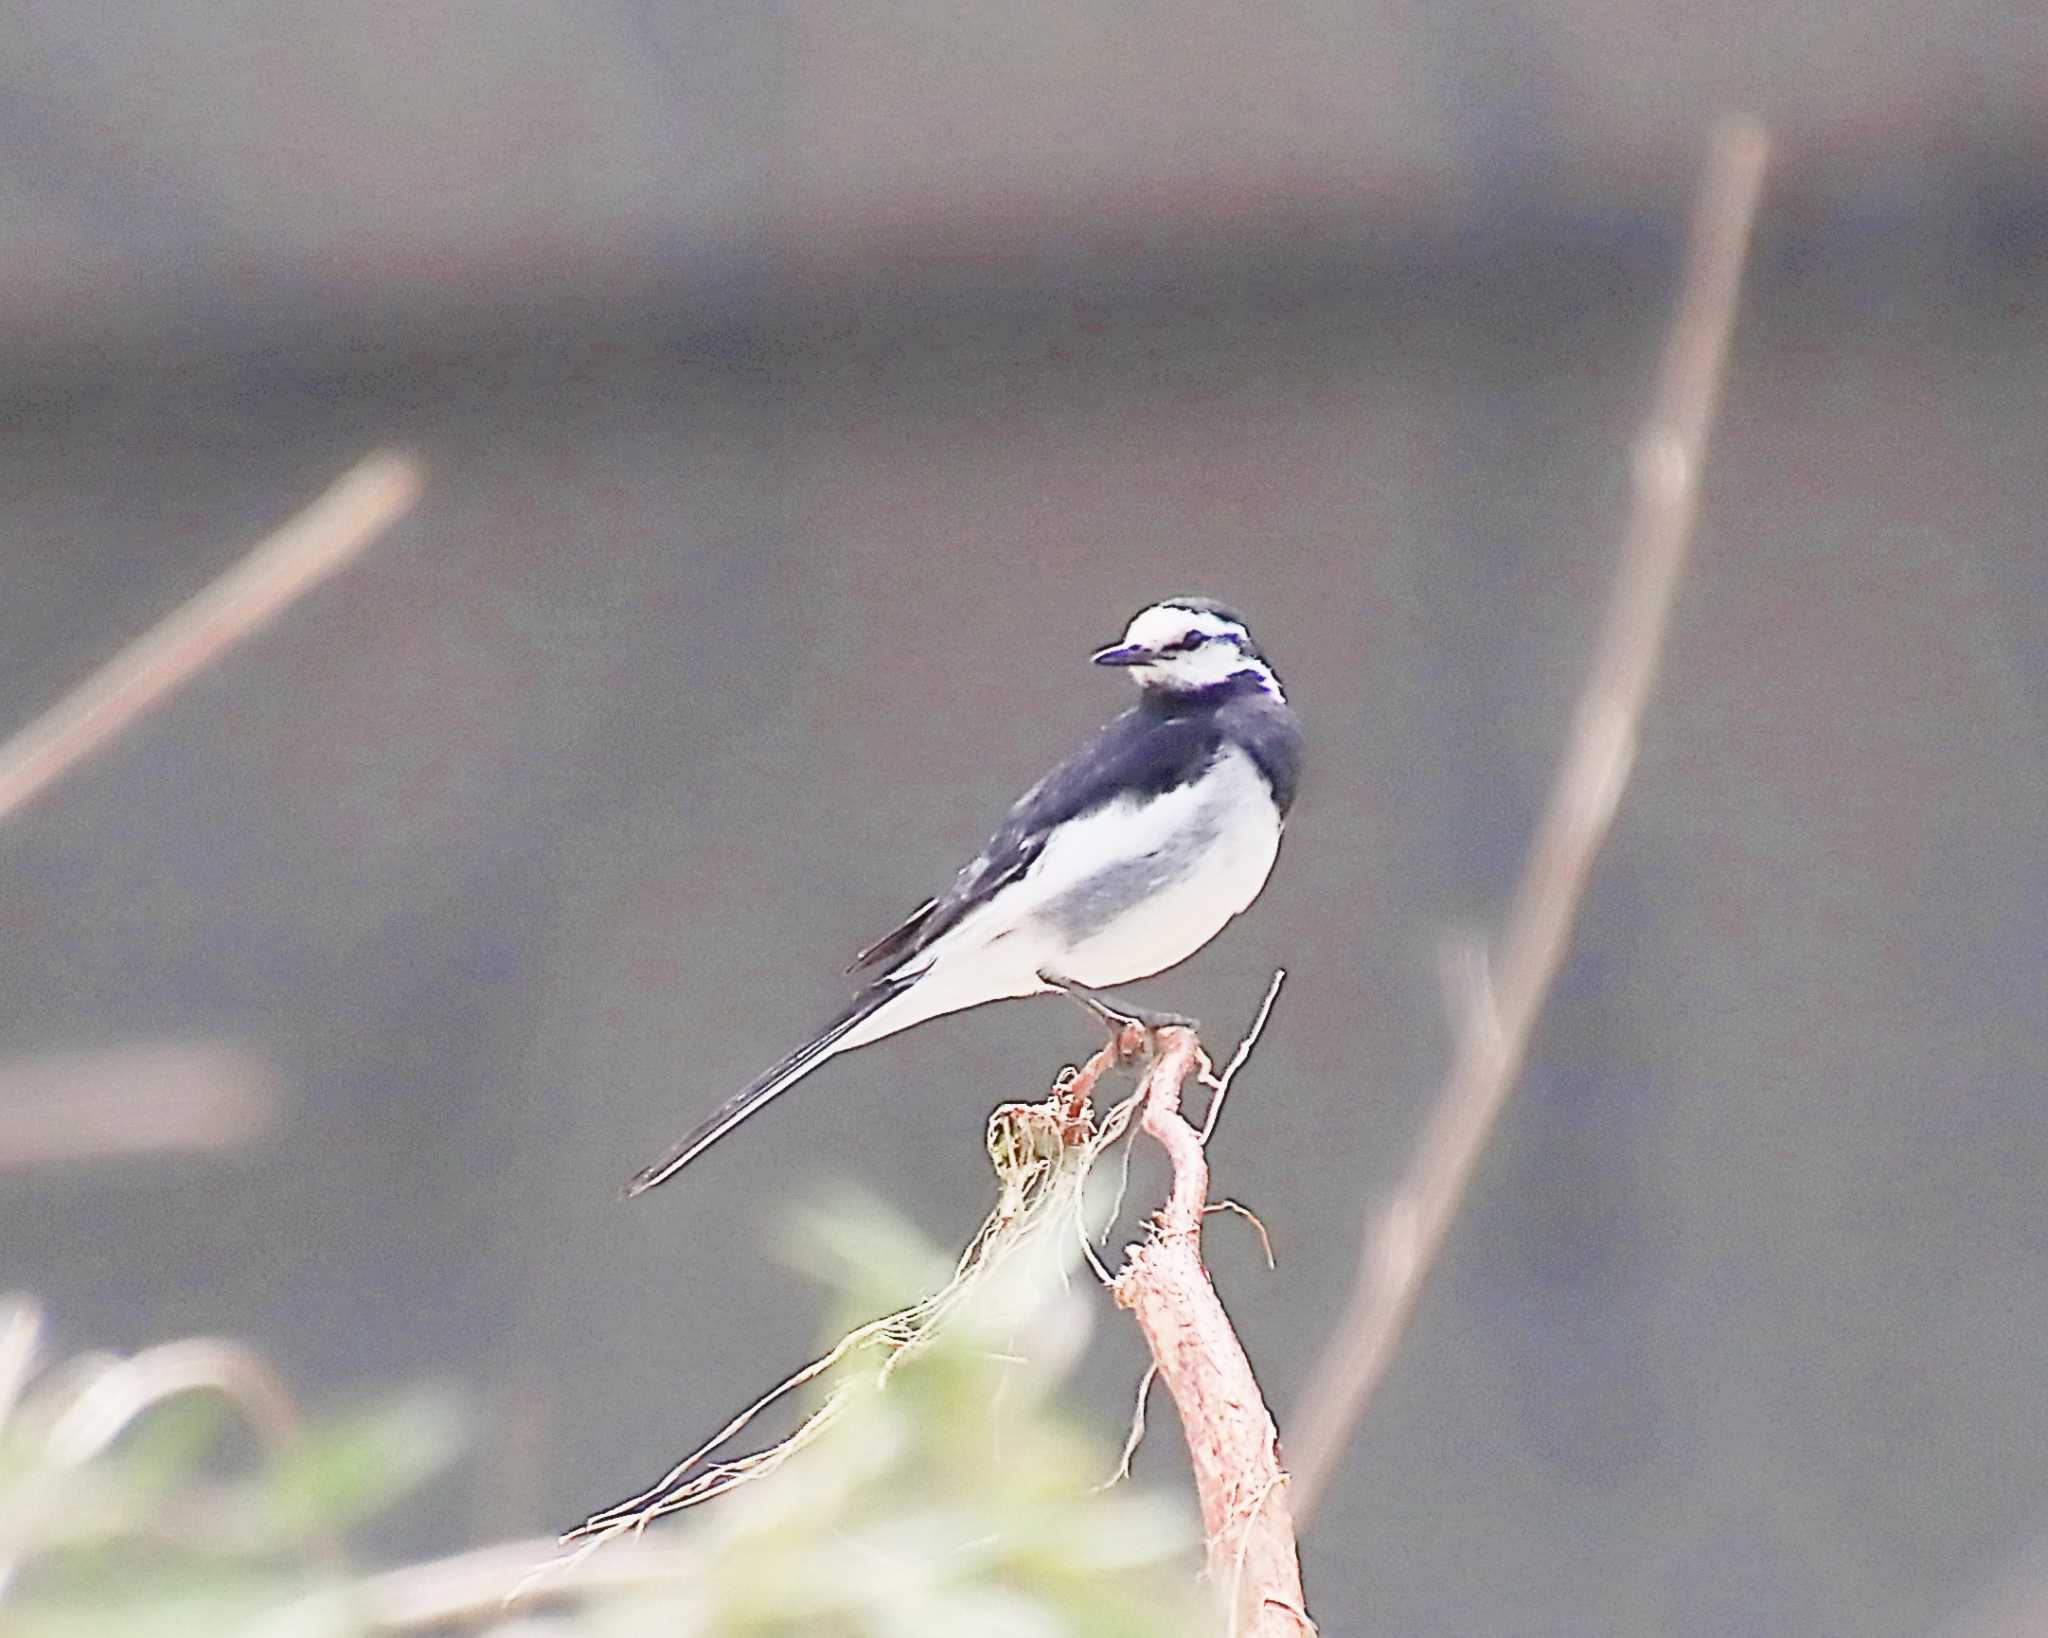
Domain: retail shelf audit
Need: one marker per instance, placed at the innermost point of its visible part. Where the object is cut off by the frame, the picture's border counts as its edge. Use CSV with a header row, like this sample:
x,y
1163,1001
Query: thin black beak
x,y
1127,654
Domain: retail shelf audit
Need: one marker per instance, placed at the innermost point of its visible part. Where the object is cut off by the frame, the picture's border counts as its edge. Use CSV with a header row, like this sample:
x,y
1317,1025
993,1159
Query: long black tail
x,y
769,1086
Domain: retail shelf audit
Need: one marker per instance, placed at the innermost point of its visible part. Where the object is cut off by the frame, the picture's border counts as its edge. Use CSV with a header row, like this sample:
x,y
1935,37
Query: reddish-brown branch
x,y
1230,1435
1079,1087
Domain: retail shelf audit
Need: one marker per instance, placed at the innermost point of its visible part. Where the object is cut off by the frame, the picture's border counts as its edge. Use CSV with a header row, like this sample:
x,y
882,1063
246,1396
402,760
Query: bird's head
x,y
1189,645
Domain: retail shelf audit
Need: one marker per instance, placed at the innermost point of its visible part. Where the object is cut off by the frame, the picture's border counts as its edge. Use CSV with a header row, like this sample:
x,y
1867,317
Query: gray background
x,y
805,389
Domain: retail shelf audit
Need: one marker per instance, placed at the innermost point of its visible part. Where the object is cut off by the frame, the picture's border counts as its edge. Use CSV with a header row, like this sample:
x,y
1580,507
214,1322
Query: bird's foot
x,y
1122,1018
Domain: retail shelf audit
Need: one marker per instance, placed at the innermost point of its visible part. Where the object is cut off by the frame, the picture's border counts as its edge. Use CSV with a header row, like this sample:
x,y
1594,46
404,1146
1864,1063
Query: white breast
x,y
1129,891
1200,853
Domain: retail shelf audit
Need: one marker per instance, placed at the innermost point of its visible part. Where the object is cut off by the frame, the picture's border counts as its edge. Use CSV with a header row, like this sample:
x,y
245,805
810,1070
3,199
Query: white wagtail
x,y
1125,859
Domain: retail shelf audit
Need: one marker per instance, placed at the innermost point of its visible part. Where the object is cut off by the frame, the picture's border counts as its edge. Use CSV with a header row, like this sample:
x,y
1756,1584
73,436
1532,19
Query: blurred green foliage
x,y
946,1492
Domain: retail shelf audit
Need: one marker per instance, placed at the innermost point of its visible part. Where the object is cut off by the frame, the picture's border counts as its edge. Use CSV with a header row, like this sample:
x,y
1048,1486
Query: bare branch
x,y
365,502
1231,1440
1401,1244
1219,1085
1238,1208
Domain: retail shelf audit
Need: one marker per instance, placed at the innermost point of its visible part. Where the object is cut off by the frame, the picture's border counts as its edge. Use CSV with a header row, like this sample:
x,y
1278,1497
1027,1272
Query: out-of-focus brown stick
x,y
1246,1519
366,501
1494,1033
160,1097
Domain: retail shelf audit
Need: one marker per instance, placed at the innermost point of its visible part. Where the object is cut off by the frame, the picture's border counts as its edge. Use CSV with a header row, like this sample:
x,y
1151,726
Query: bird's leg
x,y
1128,1037
1118,1014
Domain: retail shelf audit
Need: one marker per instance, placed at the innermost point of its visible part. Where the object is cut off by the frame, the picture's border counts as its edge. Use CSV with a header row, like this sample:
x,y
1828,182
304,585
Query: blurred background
x,y
803,391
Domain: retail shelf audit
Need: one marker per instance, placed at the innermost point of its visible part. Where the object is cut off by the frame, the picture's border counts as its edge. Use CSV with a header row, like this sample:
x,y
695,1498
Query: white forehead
x,y
1163,623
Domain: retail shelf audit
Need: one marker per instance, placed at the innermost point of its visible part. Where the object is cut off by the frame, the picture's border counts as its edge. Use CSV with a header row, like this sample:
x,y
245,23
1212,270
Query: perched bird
x,y
1125,859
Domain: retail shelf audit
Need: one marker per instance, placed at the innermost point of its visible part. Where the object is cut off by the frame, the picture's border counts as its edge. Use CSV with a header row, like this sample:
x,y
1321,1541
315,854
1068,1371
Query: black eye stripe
x,y
1196,639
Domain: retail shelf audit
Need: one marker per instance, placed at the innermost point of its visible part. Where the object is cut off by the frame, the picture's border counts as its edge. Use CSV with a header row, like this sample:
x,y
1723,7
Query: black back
x,y
1165,741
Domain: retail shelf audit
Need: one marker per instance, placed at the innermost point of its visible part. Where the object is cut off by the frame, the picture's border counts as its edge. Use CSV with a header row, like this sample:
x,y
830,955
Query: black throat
x,y
1245,709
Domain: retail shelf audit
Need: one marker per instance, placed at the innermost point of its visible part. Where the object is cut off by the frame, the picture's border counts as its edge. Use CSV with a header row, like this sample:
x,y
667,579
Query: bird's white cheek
x,y
1197,670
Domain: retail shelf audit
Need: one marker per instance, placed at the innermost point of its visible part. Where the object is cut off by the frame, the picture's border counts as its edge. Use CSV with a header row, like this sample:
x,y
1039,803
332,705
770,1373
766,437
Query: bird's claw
x,y
1135,1035
1120,1016
1123,1019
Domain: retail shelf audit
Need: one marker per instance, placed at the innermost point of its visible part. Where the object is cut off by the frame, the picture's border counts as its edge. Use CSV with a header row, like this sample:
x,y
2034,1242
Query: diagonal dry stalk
x,y
1403,1240
1235,1449
363,503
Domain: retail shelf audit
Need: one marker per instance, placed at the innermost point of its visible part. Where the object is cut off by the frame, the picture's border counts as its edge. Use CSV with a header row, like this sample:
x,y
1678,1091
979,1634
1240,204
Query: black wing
x,y
896,939
1146,750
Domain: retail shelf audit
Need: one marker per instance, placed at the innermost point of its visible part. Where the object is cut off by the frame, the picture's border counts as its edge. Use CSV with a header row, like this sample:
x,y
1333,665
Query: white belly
x,y
1136,888
1200,854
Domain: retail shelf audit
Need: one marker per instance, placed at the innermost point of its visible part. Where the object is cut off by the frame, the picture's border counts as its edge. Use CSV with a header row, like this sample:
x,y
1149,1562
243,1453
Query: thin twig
x,y
1251,1217
366,501
1401,1244
1232,1444
1136,1436
1219,1085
